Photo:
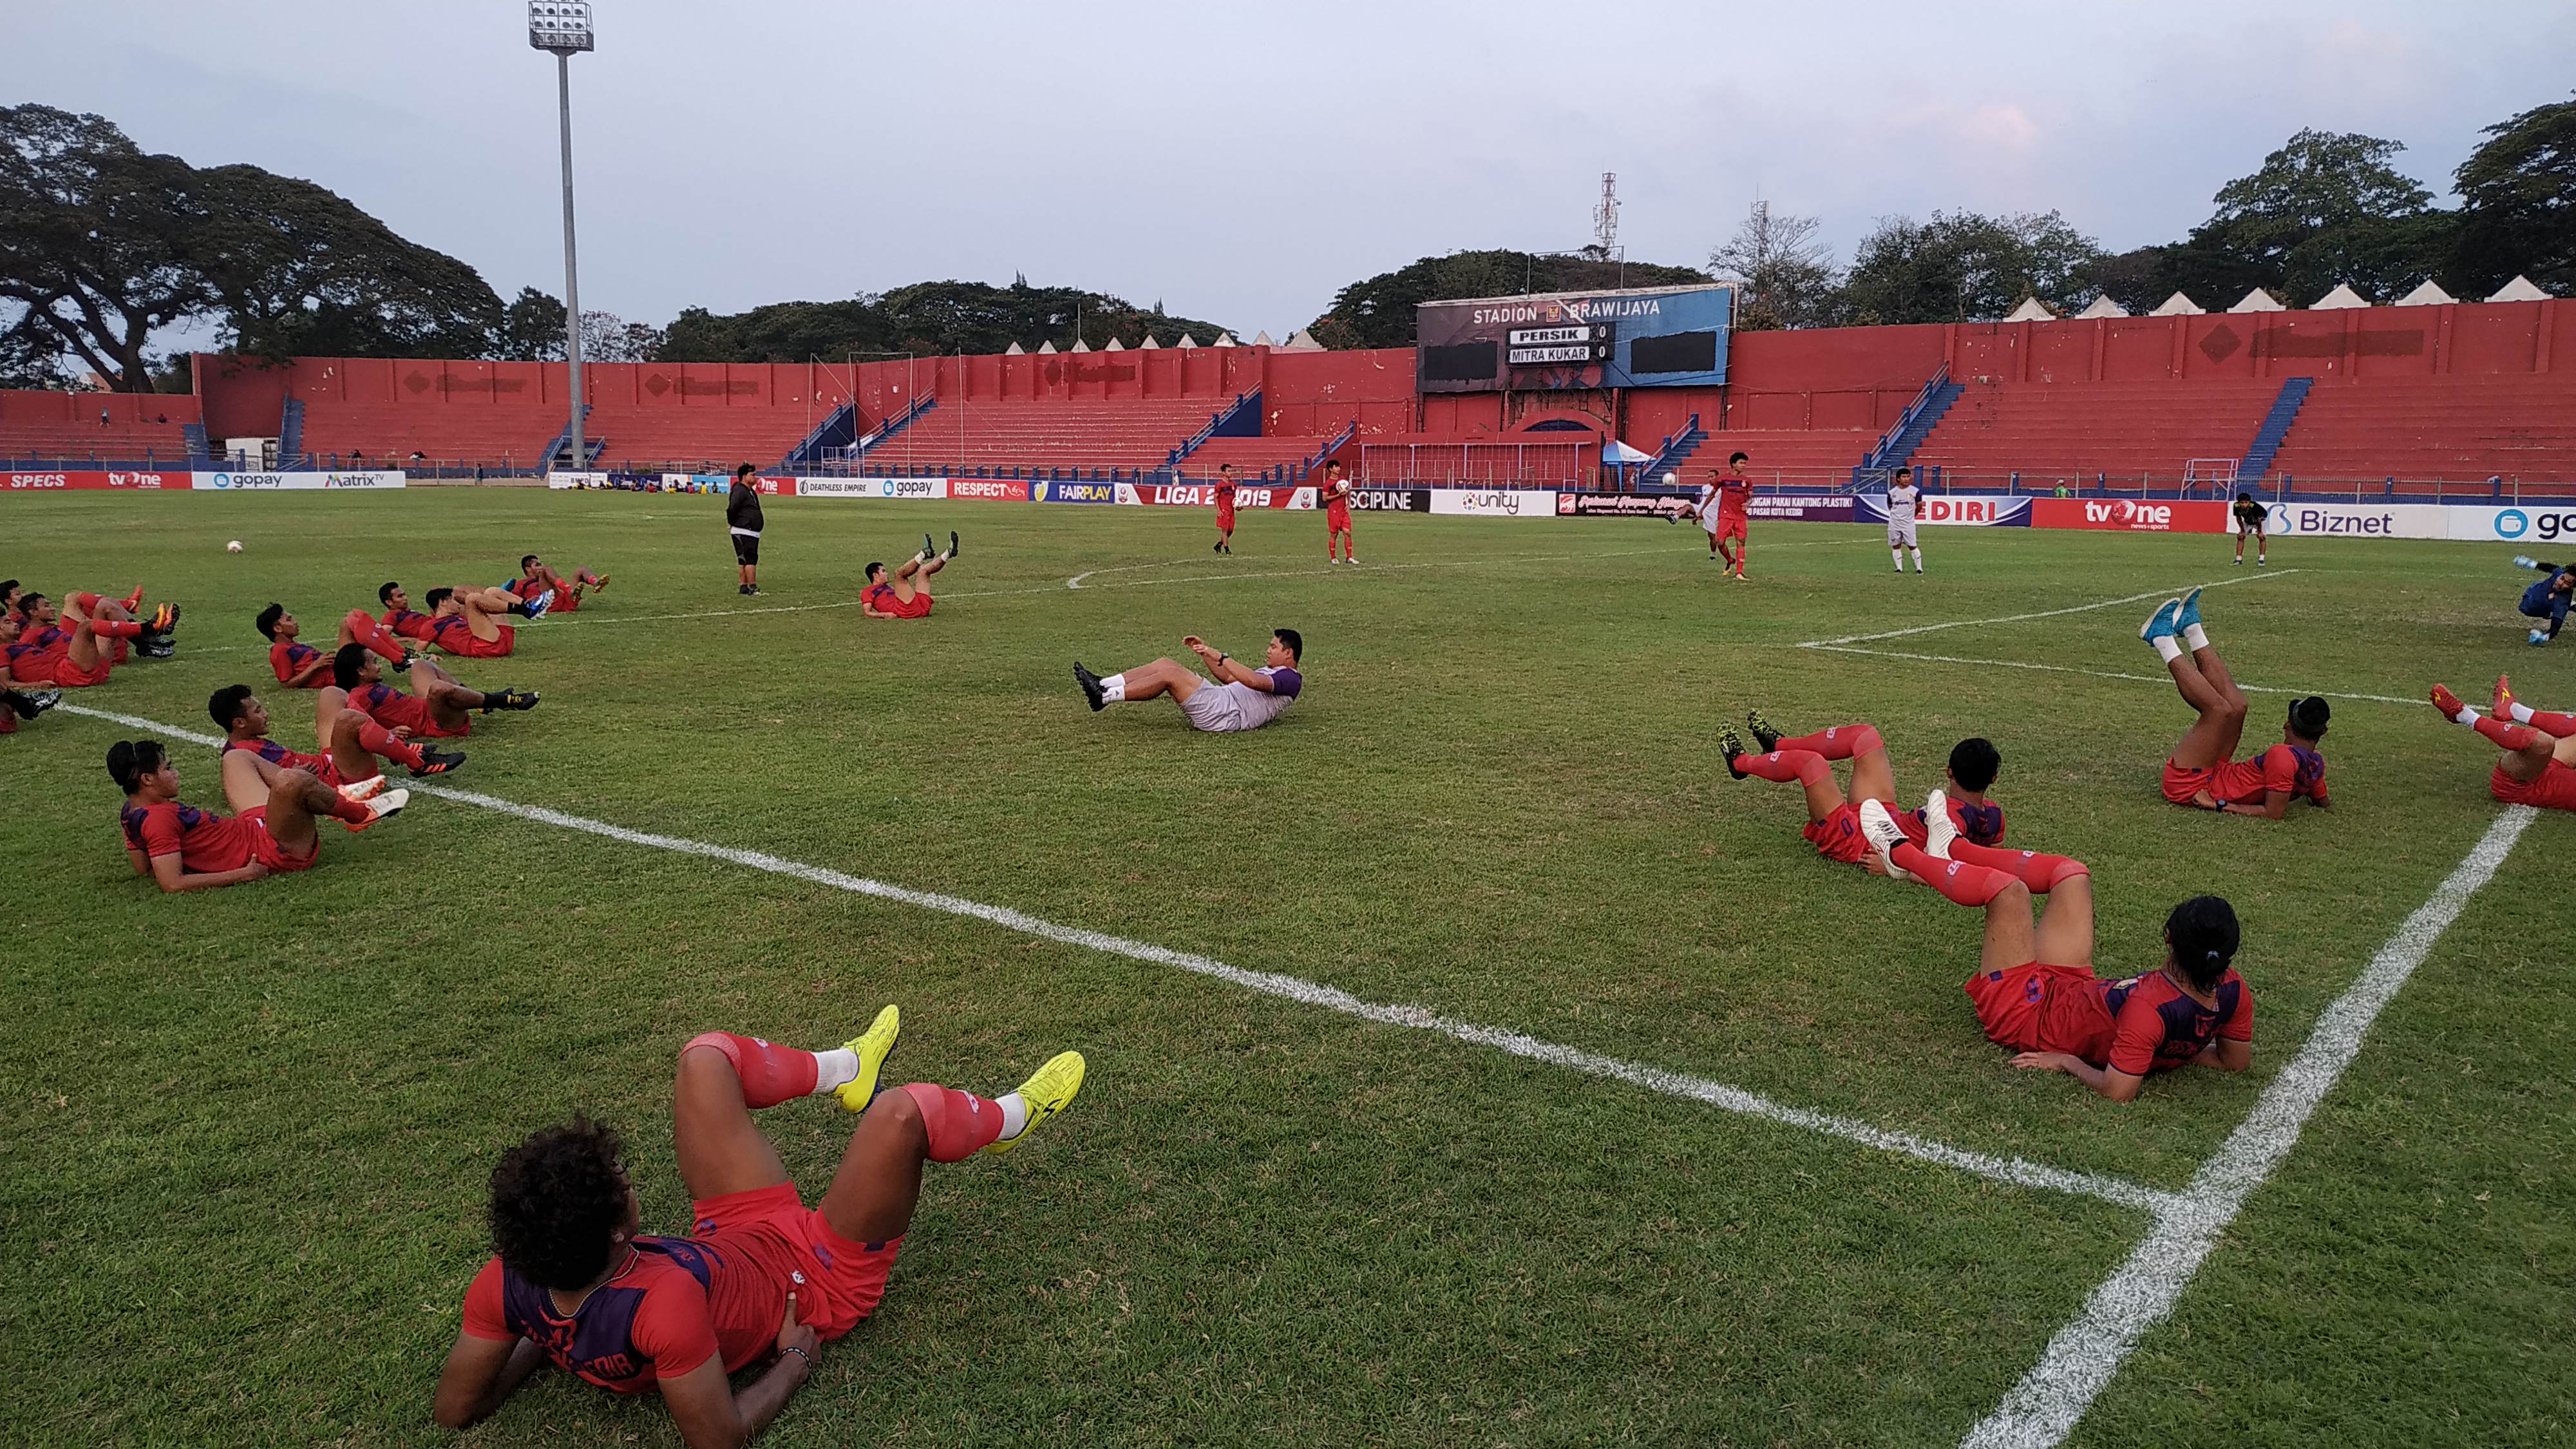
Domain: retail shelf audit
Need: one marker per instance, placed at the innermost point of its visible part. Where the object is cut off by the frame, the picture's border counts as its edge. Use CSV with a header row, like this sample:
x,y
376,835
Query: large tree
x,y
532,328
1378,311
2520,190
103,245
1789,277
925,319
2326,208
1965,267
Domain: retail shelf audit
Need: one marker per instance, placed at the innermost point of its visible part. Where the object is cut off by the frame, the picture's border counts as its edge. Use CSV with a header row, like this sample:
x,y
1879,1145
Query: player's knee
x,y
2070,875
1864,739
709,1051
2014,896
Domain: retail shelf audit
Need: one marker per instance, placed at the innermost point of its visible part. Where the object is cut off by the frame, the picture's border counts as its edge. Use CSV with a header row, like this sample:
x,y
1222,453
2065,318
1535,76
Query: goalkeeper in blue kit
x,y
2549,598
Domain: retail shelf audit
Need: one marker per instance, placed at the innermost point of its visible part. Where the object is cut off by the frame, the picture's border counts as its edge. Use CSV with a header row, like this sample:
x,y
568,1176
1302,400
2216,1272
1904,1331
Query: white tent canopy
x,y
1620,454
2178,305
1115,346
2102,306
1187,341
2342,298
1302,340
1149,344
1262,339
1046,349
1015,350
2428,295
2519,289
1225,339
2031,310
1079,346
2258,300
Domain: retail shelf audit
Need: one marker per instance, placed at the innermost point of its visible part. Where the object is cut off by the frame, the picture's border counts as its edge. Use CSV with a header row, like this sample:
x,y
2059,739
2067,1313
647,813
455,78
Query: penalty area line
x,y
2044,1407
2014,1171
2046,613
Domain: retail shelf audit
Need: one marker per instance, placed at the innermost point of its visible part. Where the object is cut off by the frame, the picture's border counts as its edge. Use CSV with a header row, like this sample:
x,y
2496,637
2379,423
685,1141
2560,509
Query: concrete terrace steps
x,y
2076,428
2455,429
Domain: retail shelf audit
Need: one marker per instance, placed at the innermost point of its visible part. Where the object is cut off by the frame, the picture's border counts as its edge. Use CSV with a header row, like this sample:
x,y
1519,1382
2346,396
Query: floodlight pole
x,y
572,268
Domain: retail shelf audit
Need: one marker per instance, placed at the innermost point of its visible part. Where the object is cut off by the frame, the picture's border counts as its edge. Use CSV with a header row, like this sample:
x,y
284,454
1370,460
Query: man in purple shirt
x,y
1238,699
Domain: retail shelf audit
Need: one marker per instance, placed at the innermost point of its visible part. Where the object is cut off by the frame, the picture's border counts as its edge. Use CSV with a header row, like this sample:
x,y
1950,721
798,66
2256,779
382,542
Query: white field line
x,y
2045,1406
2046,613
2014,1171
2165,679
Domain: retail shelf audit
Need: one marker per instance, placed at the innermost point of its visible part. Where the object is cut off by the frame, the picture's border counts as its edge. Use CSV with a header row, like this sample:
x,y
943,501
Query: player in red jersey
x,y
1225,508
301,666
1833,816
438,707
116,620
1337,514
2035,990
2203,771
575,1281
905,593
351,741
401,619
1729,495
536,580
467,622
184,848
41,650
2539,763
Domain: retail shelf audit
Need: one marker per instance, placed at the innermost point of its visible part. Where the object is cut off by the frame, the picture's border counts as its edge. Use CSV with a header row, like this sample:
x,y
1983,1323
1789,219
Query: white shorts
x,y
1900,535
1213,707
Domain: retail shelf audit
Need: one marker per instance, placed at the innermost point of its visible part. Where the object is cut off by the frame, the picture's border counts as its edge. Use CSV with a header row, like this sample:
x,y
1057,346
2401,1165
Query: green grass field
x,y
248,1130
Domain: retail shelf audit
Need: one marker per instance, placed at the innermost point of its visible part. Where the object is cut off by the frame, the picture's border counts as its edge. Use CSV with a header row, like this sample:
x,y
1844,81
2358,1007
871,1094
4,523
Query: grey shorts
x,y
1900,535
1213,707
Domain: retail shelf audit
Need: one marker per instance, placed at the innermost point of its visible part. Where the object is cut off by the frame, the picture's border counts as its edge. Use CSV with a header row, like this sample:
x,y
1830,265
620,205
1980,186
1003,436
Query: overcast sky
x,y
1241,162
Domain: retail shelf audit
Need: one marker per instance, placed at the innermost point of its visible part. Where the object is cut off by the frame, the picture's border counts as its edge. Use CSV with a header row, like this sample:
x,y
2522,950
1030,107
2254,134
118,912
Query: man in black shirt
x,y
742,521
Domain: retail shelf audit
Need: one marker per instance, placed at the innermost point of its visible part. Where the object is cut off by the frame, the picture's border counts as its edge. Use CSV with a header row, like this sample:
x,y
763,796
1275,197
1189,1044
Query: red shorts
x,y
1225,518
1838,836
1730,527
2011,1004
916,607
428,728
72,676
470,647
2554,790
2181,784
1337,519
837,1282
265,849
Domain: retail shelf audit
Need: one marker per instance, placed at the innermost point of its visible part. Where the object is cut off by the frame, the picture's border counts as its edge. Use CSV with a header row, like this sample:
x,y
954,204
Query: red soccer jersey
x,y
676,1303
290,658
2282,767
882,599
1732,495
32,663
206,843
2144,1023
391,708
407,623
1980,824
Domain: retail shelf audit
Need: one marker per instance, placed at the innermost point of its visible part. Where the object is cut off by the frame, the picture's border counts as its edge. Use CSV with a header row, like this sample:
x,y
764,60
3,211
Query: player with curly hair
x,y
575,1281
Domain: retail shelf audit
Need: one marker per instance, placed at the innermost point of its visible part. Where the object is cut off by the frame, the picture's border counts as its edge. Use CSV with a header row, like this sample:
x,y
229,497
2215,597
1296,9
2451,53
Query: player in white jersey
x,y
1238,699
1902,496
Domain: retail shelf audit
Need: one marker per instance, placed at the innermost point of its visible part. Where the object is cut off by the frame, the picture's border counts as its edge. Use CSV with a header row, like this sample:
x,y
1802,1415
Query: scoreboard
x,y
1642,337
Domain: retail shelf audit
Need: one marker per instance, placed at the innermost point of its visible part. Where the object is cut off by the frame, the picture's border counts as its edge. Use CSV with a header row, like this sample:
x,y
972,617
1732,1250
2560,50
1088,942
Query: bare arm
x,y
2226,1056
711,1415
2276,803
480,1374
167,873
2117,1085
1226,668
305,676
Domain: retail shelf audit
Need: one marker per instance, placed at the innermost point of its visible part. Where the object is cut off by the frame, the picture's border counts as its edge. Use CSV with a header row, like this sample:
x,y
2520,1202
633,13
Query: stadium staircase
x,y
150,429
2276,426
1676,451
290,432
1277,460
2035,434
833,438
558,446
199,450
1239,419
2424,434
1134,435
1895,448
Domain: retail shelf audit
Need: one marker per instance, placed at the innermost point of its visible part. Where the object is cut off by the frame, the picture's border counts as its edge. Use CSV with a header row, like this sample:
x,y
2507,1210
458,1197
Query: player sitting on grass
x,y
301,666
1240,699
24,704
116,620
467,622
562,595
905,594
184,848
42,651
2203,771
437,709
2539,764
2547,599
351,741
1833,817
2035,990
401,619
575,1281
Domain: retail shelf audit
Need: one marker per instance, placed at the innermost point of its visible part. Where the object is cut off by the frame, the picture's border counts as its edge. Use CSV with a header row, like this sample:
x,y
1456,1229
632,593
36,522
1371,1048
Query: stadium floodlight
x,y
562,27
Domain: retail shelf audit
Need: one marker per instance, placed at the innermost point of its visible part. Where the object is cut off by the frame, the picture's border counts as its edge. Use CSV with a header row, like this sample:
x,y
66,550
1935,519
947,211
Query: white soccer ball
x,y
233,547
1672,480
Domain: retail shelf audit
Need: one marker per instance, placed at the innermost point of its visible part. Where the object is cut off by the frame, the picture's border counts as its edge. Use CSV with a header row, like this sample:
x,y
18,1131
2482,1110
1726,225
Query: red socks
x,y
2560,725
770,1073
1784,765
116,628
359,627
375,739
2042,873
1839,743
344,808
959,1123
1964,883
2506,734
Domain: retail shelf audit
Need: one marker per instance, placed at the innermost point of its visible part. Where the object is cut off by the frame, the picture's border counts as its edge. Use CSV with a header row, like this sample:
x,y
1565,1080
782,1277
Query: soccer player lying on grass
x,y
1239,699
574,1279
2539,764
439,708
1833,817
24,704
41,651
184,848
905,594
301,666
401,619
2203,771
351,741
467,622
536,581
2035,990
2548,599
115,620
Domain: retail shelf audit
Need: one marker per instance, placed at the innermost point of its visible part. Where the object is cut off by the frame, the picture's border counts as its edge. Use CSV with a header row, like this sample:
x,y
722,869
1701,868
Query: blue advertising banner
x,y
1642,337
1054,492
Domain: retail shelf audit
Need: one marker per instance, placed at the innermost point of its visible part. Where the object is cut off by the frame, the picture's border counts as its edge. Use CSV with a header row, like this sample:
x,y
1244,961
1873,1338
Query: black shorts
x,y
746,549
